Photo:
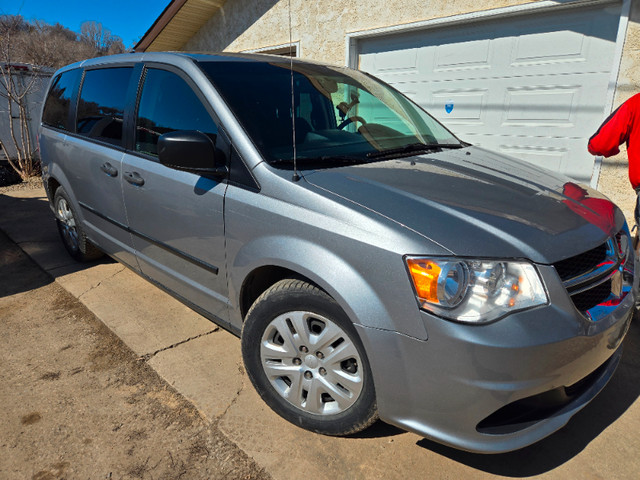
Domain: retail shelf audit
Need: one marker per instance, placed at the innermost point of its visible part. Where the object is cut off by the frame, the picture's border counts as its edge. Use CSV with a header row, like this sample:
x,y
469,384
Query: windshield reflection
x,y
340,115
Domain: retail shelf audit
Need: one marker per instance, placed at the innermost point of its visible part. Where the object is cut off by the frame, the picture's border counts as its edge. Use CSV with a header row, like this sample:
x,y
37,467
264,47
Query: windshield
x,y
340,115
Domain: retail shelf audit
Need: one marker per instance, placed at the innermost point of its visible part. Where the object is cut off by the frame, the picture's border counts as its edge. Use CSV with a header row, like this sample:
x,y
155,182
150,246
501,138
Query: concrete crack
x,y
101,281
235,398
147,356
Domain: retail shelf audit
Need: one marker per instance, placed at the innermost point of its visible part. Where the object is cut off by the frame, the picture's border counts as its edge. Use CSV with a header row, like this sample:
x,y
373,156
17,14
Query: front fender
x,y
345,281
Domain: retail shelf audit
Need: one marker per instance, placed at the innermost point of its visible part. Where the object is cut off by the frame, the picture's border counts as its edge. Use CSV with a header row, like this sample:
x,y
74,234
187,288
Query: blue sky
x,y
129,19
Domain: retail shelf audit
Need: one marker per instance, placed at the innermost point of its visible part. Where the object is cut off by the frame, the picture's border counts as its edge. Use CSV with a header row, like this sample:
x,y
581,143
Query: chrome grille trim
x,y
596,281
604,279
597,273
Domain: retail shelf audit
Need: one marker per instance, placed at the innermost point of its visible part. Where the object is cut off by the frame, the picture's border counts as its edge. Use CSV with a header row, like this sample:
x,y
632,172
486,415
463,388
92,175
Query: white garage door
x,y
532,86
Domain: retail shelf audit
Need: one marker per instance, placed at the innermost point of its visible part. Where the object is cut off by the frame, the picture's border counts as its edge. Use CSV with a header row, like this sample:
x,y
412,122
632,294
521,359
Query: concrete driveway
x,y
203,362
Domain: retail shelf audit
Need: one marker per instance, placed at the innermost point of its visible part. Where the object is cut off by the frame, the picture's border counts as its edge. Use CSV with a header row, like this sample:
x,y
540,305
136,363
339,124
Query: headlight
x,y
475,291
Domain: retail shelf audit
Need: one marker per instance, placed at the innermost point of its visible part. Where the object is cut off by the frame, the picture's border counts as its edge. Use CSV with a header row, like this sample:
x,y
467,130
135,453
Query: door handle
x,y
109,169
134,178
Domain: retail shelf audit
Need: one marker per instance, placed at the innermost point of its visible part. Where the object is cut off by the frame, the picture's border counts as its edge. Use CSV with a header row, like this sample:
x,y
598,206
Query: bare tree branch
x,y
25,47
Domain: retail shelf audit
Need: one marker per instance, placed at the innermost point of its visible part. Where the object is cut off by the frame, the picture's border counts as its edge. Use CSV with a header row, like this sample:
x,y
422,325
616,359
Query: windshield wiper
x,y
323,159
413,148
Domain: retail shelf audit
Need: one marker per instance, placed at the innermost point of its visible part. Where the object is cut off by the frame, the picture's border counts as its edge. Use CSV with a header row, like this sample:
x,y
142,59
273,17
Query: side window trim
x,y
239,174
130,107
78,72
190,83
73,111
134,116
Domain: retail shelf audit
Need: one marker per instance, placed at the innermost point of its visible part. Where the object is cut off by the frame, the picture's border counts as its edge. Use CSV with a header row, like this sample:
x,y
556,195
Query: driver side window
x,y
168,104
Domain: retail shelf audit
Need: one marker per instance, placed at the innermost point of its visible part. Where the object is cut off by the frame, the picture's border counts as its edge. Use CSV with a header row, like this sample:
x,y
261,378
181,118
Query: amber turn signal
x,y
425,274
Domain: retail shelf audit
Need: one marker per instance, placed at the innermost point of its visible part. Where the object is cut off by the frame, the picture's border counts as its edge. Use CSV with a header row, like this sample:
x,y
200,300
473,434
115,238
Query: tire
x,y
305,359
73,238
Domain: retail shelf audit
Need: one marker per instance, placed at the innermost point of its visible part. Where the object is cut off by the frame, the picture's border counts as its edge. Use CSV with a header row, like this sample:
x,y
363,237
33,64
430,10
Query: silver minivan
x,y
374,265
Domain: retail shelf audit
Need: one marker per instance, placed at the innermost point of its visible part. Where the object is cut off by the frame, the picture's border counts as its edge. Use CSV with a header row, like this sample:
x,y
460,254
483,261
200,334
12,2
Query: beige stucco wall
x,y
320,27
614,180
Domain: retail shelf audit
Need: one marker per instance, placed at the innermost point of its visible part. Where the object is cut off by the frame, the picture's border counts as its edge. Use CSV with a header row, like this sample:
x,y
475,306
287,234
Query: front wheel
x,y
304,357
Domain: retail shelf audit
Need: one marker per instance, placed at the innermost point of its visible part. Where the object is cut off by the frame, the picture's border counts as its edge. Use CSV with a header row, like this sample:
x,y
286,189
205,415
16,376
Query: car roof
x,y
176,58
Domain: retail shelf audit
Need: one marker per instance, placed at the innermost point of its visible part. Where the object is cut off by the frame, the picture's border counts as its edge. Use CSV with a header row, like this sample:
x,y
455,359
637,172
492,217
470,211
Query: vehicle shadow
x,y
16,276
28,233
621,392
379,429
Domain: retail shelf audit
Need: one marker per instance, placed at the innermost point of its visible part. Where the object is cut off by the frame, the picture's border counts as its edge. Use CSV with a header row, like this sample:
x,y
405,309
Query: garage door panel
x,y
534,106
555,105
555,154
573,38
464,55
553,158
393,68
467,105
394,62
547,47
464,107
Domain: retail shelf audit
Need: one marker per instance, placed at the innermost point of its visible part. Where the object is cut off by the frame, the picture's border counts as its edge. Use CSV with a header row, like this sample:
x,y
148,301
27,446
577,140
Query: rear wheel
x,y
73,238
306,360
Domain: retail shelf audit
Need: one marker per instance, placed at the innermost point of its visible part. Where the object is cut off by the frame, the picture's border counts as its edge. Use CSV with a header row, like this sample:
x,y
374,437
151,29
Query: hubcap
x,y
68,224
322,383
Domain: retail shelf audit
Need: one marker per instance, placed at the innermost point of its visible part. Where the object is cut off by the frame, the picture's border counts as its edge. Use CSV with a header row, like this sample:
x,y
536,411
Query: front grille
x,y
575,266
594,296
588,276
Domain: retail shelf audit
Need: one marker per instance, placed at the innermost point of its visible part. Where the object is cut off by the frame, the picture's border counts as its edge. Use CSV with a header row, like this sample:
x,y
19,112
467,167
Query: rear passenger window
x,y
167,104
101,105
58,102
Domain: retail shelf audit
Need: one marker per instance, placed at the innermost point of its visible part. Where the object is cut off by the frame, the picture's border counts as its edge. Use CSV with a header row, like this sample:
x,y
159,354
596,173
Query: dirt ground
x,y
77,403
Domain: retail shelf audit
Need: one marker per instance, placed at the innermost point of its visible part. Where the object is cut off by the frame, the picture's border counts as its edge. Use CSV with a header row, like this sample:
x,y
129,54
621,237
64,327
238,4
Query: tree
x,y
100,39
25,48
17,81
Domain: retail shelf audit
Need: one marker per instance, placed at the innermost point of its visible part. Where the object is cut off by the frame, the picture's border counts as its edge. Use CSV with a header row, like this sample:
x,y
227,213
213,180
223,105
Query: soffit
x,y
180,21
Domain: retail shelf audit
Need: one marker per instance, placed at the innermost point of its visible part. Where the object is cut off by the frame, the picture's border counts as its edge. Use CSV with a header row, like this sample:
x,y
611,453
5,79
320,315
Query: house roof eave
x,y
179,21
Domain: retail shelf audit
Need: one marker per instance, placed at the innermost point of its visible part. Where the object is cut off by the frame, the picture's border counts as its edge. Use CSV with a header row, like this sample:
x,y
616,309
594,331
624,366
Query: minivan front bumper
x,y
497,387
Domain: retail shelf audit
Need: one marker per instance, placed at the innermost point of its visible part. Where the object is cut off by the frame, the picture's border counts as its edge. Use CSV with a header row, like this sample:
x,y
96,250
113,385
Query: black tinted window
x,y
339,114
56,107
168,104
101,105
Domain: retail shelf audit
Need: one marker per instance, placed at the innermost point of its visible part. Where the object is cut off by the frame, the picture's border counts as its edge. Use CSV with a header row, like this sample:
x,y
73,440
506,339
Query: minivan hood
x,y
478,203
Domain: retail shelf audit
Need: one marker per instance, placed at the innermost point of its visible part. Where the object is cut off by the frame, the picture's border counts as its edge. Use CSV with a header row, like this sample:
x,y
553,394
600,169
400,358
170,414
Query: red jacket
x,y
623,125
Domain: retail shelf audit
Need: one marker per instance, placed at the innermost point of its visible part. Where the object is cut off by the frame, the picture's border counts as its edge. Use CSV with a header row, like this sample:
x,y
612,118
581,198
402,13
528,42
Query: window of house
x,y
286,50
101,105
58,102
168,104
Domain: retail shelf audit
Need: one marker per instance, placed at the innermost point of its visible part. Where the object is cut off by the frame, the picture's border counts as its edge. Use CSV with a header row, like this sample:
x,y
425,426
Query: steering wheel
x,y
348,120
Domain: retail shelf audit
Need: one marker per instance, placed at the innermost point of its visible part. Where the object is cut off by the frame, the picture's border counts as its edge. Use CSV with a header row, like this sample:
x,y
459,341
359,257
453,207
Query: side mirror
x,y
191,151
